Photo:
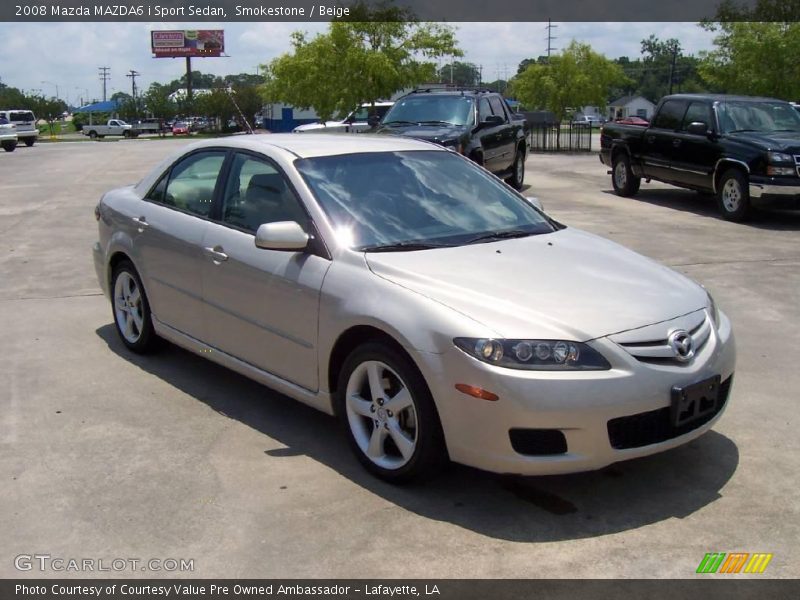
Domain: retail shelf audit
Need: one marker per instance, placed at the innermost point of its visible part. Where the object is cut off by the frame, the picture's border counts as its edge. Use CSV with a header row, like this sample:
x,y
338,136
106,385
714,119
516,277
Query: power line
x,y
105,76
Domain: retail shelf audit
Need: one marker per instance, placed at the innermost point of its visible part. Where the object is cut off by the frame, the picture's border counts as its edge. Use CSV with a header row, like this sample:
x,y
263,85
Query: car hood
x,y
431,133
567,284
783,141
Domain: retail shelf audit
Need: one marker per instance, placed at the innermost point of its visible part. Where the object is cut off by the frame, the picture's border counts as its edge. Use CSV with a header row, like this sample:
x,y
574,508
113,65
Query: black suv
x,y
474,122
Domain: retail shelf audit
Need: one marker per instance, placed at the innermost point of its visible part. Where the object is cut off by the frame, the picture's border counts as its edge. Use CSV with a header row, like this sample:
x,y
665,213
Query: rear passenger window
x,y
670,115
497,106
192,182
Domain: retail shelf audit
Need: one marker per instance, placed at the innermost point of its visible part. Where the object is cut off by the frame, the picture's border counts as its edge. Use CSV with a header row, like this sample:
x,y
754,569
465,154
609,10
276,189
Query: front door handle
x,y
141,223
216,254
676,142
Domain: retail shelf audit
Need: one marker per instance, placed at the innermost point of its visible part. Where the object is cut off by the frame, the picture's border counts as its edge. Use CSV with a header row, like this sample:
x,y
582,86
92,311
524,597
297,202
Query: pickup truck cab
x,y
742,149
355,122
8,135
25,123
474,122
113,127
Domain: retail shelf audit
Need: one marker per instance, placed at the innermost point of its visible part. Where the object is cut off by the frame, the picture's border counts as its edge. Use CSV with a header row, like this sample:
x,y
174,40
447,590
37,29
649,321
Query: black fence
x,y
555,137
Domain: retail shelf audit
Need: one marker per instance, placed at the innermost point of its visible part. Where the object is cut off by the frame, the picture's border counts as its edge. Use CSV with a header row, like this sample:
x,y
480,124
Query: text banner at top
x,y
423,10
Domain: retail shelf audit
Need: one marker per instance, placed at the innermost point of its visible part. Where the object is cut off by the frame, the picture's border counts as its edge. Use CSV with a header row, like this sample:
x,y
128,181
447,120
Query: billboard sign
x,y
177,43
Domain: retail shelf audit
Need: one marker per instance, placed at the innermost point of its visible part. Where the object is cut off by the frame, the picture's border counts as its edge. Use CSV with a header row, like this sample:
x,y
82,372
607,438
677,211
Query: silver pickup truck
x,y
113,127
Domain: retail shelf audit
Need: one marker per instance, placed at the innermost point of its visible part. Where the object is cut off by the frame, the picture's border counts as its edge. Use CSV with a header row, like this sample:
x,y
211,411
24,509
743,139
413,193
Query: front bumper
x,y
761,187
100,268
577,404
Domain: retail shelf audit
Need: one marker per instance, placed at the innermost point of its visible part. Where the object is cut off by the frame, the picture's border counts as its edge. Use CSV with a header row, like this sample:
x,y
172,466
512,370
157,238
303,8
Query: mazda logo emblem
x,y
682,345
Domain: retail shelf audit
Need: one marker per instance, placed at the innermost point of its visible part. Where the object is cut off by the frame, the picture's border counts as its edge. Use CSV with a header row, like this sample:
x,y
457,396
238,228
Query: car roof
x,y
309,145
721,97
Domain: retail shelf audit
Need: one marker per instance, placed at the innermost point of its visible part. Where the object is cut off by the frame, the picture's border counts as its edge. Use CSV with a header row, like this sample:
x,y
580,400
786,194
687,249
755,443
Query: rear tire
x,y
29,142
388,415
622,177
733,196
517,178
131,309
93,135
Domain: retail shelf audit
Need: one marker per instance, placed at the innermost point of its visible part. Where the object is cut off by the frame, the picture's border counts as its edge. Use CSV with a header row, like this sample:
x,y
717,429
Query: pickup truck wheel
x,y
622,178
518,171
733,196
126,134
29,142
9,146
93,135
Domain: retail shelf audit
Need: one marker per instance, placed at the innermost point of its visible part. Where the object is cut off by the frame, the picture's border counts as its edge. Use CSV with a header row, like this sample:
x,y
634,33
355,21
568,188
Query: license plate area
x,y
694,401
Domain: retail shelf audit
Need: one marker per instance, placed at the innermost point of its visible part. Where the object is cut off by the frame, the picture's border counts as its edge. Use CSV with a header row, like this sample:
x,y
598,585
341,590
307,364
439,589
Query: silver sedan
x,y
438,313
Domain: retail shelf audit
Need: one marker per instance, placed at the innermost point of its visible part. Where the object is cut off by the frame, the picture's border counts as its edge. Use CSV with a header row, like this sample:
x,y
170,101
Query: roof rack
x,y
446,88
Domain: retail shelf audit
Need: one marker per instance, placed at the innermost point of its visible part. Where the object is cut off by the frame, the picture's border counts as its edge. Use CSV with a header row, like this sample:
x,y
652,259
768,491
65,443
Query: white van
x,y
355,122
26,124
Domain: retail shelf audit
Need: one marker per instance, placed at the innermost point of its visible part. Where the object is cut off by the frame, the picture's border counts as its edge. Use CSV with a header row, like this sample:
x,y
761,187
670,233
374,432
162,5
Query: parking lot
x,y
107,454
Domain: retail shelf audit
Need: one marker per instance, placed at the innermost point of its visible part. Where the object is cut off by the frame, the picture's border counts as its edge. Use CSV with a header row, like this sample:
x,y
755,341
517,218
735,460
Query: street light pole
x,y
53,84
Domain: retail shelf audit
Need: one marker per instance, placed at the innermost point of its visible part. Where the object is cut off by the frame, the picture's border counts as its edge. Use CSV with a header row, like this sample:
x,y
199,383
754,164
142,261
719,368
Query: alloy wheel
x,y
620,175
731,195
128,308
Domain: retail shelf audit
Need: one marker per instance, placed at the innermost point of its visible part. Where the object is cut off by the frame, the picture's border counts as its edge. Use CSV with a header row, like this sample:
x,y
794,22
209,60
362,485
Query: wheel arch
x,y
723,165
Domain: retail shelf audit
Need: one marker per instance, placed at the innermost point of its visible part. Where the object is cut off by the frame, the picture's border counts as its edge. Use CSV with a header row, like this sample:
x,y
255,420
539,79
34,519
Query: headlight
x,y
713,311
534,355
779,158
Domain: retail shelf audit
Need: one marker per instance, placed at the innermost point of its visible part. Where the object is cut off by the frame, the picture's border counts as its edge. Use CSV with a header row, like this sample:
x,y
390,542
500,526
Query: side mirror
x,y
283,235
373,120
697,128
535,201
492,121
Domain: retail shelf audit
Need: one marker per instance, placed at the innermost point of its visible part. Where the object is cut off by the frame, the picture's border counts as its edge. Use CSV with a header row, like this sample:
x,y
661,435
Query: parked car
x,y
355,122
431,307
589,120
114,127
8,135
180,128
25,123
633,121
475,123
740,148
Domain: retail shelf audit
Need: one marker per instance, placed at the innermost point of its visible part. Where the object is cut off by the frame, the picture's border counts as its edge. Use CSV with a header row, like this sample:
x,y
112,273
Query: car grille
x,y
659,351
655,426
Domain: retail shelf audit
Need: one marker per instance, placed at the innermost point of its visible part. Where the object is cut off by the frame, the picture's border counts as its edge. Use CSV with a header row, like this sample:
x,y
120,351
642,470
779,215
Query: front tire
x,y
733,196
9,146
131,309
518,171
622,177
389,415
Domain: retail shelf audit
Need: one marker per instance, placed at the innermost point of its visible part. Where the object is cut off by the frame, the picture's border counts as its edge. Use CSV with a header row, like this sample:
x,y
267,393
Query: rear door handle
x,y
141,223
216,254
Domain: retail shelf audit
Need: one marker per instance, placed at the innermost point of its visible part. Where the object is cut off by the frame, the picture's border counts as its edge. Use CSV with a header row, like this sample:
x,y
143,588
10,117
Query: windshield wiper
x,y
499,235
437,123
403,247
743,130
401,123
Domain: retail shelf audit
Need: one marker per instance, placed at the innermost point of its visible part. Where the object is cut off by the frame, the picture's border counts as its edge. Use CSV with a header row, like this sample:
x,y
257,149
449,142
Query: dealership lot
x,y
104,454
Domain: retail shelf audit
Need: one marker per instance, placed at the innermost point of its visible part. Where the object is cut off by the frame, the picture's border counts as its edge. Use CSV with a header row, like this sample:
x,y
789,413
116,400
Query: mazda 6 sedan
x,y
435,311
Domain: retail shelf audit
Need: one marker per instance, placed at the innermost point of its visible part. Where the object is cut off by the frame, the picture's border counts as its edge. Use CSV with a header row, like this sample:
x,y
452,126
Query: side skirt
x,y
322,401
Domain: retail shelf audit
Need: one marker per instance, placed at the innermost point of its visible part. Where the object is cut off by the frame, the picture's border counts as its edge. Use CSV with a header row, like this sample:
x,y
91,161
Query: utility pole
x,y
672,67
104,77
550,38
133,75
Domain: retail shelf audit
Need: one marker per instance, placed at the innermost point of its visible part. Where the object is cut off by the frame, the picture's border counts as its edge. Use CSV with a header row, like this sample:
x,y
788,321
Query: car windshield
x,y
759,116
415,199
431,109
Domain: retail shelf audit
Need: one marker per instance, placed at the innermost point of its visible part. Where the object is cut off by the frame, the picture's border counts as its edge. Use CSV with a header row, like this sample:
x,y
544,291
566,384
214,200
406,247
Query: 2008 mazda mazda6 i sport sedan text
x,y
436,311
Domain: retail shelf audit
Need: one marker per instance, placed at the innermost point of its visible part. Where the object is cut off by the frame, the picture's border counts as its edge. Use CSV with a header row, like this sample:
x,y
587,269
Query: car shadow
x,y
706,206
621,497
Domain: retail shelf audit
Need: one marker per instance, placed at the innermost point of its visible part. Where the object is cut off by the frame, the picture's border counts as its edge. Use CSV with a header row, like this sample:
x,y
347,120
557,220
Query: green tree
x,y
459,73
158,103
578,76
754,58
375,53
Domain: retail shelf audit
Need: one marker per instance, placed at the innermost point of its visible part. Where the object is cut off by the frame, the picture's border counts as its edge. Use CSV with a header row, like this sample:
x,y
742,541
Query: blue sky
x,y
68,54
